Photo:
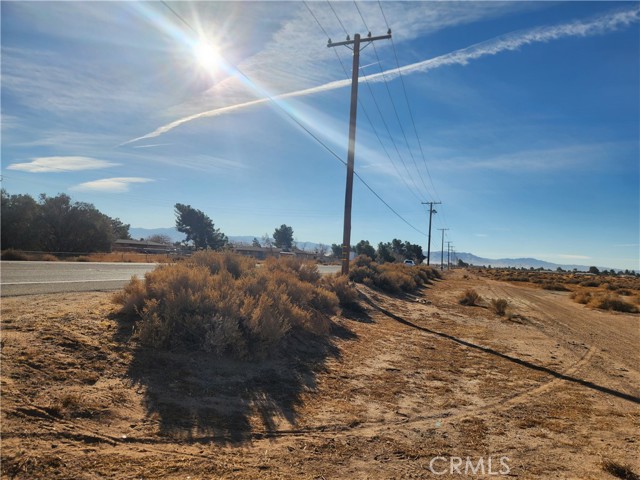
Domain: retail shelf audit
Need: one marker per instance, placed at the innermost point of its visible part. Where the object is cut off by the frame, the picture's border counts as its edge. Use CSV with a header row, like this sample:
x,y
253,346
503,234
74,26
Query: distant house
x,y
304,255
259,253
141,246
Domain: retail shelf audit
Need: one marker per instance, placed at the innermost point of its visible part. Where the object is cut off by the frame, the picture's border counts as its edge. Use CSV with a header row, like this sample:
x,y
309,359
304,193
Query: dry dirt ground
x,y
409,388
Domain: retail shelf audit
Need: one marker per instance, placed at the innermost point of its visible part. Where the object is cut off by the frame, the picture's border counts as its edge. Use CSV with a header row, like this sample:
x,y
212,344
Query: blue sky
x,y
526,113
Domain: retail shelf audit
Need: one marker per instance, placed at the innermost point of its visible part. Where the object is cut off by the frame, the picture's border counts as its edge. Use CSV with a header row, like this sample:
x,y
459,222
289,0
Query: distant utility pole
x,y
442,249
431,212
346,236
448,255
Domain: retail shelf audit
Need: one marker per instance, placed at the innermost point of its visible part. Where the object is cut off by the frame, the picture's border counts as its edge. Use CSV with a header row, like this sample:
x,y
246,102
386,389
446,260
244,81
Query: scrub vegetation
x,y
226,304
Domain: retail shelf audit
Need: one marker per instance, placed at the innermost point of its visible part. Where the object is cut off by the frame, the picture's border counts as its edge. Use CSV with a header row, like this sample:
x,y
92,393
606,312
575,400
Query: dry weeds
x,y
378,397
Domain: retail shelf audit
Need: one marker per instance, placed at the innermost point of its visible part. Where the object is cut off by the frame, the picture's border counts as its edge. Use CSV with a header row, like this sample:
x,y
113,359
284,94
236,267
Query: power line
x,y
366,114
393,104
404,89
395,53
339,21
325,146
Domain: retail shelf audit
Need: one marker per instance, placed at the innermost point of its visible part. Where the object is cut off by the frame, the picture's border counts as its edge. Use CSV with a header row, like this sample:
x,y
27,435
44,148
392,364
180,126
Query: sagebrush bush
x,y
608,301
344,290
390,277
581,297
499,306
222,303
470,298
554,286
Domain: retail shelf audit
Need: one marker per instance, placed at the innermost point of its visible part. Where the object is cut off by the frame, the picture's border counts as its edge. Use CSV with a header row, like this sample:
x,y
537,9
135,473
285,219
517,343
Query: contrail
x,y
509,42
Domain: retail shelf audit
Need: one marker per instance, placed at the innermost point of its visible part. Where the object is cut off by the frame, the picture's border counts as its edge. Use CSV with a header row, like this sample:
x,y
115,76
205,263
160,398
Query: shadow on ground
x,y
197,397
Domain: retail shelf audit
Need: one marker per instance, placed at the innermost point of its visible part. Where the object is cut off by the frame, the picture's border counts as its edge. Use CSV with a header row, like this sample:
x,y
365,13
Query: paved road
x,y
29,278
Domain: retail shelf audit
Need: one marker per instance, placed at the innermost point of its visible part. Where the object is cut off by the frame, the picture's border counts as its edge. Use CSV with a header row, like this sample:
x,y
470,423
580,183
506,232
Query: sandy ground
x,y
413,387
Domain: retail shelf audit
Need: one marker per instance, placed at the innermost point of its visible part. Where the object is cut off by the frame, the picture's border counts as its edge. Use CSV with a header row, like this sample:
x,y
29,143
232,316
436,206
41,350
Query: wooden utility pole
x,y
448,255
442,249
346,234
431,212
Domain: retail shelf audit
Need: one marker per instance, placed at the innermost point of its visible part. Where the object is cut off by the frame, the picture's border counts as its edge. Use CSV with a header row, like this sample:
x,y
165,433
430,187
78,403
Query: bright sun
x,y
206,54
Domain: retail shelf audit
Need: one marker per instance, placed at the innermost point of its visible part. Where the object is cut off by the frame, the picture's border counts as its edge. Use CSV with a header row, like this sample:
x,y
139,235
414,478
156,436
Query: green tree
x,y
594,270
283,237
336,250
73,227
385,253
414,251
20,218
397,247
121,230
255,242
363,247
199,228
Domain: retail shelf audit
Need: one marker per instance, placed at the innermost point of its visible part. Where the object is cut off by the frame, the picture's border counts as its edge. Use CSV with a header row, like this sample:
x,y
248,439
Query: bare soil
x,y
551,390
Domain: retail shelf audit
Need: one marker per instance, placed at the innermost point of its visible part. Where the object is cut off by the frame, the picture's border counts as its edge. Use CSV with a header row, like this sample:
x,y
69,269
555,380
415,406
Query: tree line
x,y
56,224
395,250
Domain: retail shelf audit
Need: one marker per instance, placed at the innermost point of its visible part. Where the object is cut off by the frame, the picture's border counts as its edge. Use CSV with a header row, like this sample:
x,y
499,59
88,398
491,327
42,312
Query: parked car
x,y
410,263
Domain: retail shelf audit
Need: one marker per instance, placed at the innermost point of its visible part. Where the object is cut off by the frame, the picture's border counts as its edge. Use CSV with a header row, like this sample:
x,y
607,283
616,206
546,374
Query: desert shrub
x,y
499,306
395,278
470,297
610,301
390,277
581,297
344,290
554,286
132,297
590,283
236,265
225,305
11,254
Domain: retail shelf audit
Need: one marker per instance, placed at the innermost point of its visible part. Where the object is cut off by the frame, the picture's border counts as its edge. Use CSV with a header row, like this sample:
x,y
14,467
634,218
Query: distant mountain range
x,y
472,259
175,236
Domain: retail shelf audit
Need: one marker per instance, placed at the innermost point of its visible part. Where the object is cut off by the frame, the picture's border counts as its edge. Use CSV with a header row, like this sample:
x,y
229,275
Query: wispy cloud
x,y
61,164
152,145
110,185
510,42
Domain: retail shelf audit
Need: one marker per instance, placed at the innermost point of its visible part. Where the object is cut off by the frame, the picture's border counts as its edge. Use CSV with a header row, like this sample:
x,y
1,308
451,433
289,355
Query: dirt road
x,y
413,387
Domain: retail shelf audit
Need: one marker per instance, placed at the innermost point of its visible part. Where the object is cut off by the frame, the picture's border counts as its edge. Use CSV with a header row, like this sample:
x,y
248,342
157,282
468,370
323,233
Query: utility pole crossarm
x,y
362,40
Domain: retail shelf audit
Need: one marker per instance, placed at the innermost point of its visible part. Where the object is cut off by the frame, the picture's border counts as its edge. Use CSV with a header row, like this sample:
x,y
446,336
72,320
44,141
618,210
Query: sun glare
x,y
206,54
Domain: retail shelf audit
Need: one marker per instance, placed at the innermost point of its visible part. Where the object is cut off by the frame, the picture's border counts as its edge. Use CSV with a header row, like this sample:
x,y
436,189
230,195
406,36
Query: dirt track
x,y
551,392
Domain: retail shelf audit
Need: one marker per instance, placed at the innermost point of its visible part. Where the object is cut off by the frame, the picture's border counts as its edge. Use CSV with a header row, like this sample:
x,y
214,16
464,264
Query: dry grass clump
x,y
345,291
499,306
391,277
223,303
554,286
608,301
11,254
604,301
469,298
581,296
